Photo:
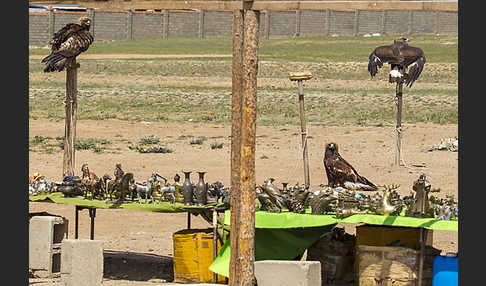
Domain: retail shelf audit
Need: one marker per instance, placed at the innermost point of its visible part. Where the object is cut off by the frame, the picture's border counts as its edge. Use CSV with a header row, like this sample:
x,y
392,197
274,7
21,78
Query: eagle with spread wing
x,y
400,56
341,174
68,43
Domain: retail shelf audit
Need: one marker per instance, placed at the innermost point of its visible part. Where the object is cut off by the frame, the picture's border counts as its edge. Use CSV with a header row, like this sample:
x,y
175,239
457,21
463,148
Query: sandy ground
x,y
133,235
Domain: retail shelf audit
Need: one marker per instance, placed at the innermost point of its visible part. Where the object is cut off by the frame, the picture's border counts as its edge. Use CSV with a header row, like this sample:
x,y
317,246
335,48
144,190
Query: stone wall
x,y
120,24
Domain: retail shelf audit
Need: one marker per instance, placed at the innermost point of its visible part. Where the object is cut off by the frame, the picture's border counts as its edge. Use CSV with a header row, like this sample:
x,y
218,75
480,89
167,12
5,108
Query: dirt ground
x,y
144,238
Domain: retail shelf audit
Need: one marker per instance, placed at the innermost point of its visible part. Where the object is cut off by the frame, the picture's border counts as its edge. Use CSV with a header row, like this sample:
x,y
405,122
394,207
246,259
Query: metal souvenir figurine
x,y
179,197
91,183
71,186
107,183
201,190
298,199
266,202
420,206
274,193
322,201
39,185
187,189
390,203
151,188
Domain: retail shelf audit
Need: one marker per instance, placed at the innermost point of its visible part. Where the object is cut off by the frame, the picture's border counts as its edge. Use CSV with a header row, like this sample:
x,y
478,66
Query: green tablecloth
x,y
281,236
287,219
285,235
163,207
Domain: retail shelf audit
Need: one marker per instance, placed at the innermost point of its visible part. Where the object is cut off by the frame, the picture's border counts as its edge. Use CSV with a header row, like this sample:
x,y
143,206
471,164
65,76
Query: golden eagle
x,y
68,43
341,174
400,56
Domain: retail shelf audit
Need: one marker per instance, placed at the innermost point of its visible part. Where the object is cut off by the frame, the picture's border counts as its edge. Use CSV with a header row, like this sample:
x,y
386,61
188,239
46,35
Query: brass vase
x,y
187,189
201,190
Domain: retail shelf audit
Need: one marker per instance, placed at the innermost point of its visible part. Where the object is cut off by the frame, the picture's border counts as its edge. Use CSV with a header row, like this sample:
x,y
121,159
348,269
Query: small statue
x,y
444,209
322,201
274,194
179,197
90,183
390,205
298,199
266,203
419,206
118,173
71,186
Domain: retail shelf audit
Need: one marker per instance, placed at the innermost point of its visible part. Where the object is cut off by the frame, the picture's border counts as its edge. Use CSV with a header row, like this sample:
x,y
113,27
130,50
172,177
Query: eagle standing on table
x,y
67,44
341,174
400,56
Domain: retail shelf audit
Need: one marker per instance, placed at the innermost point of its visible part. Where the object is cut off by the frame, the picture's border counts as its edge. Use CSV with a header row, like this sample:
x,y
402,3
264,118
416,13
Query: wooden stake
x,y
299,77
399,122
303,131
70,121
238,36
246,226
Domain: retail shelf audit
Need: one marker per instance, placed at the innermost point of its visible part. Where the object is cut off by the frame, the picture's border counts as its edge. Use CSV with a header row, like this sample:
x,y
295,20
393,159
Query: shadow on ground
x,y
137,266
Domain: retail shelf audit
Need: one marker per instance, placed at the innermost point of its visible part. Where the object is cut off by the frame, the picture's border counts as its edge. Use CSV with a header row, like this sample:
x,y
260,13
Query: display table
x,y
285,235
163,207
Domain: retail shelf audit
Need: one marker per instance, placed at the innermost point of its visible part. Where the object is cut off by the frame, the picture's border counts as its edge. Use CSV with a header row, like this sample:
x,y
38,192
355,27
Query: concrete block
x,y
82,262
45,236
288,273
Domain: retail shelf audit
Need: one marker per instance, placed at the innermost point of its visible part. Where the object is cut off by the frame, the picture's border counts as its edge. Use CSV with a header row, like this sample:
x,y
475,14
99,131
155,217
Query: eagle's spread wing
x,y
380,56
67,43
413,58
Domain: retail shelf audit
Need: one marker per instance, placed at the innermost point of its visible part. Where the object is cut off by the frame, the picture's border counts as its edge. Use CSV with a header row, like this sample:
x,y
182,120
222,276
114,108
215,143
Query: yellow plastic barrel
x,y
193,254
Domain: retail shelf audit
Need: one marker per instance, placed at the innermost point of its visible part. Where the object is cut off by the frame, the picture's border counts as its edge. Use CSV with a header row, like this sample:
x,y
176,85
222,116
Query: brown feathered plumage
x,y
68,43
341,174
400,56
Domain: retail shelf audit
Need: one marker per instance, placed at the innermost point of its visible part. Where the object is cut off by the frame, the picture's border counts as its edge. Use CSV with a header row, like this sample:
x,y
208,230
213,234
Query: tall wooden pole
x,y
299,77
238,36
399,102
71,115
303,131
245,230
248,139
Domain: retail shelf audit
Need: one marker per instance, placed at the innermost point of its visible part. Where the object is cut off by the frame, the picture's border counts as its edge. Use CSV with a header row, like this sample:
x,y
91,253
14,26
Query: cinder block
x,y
82,262
45,236
288,273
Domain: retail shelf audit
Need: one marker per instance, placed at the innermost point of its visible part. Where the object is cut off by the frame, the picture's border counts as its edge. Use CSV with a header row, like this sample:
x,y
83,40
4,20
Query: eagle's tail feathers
x,y
54,62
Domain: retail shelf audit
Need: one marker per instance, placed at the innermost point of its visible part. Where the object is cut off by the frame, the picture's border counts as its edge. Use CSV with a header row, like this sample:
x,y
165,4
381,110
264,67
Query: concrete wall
x,y
119,24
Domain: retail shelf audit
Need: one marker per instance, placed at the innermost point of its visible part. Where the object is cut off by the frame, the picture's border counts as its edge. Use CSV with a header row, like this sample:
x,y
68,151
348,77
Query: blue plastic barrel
x,y
445,270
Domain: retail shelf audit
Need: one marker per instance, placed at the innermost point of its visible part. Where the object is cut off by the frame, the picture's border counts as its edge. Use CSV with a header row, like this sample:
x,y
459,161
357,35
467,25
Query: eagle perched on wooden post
x,y
341,174
400,56
68,43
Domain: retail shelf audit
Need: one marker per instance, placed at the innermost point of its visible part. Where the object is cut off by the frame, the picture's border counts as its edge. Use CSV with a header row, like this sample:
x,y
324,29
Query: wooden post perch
x,y
71,114
238,36
299,77
399,102
243,198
